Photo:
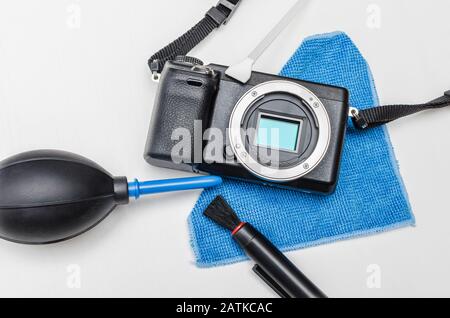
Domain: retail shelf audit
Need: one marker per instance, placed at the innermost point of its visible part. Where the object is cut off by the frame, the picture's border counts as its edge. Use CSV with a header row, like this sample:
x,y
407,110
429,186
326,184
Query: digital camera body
x,y
306,123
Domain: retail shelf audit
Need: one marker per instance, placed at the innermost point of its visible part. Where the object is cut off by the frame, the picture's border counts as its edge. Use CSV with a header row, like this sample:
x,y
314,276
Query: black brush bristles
x,y
220,212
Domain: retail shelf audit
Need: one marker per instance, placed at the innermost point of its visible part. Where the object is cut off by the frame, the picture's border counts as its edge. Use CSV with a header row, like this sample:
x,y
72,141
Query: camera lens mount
x,y
239,140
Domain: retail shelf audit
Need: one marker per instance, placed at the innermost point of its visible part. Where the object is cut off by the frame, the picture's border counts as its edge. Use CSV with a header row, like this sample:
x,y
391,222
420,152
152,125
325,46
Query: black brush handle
x,y
275,268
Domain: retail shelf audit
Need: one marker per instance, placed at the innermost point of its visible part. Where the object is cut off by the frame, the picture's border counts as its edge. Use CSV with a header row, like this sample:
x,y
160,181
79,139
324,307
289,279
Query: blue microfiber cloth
x,y
370,196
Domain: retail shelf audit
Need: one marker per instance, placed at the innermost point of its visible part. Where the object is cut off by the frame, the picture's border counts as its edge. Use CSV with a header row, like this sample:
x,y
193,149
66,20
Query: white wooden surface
x,y
73,76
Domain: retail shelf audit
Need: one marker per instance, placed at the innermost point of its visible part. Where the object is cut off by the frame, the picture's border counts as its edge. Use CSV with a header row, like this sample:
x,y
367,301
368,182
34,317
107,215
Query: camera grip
x,y
183,101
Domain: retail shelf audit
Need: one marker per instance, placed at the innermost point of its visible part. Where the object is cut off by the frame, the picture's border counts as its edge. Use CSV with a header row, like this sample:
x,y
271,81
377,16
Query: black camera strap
x,y
376,116
214,18
221,14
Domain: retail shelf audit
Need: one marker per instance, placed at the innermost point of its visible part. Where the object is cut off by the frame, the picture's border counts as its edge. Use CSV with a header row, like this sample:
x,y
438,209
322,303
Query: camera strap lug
x,y
357,119
155,77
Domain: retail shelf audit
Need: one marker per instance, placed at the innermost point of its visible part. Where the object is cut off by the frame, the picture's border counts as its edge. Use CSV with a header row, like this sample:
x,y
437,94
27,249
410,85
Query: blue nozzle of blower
x,y
137,188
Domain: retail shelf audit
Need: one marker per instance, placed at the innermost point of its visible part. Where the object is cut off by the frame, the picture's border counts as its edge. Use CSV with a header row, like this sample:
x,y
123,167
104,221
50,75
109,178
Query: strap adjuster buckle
x,y
230,6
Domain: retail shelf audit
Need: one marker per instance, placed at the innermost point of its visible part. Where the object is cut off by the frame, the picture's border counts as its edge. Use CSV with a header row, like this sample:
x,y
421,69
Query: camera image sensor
x,y
278,133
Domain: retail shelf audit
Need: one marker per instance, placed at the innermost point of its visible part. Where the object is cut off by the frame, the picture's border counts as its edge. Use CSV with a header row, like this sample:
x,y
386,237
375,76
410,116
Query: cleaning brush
x,y
220,212
271,265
